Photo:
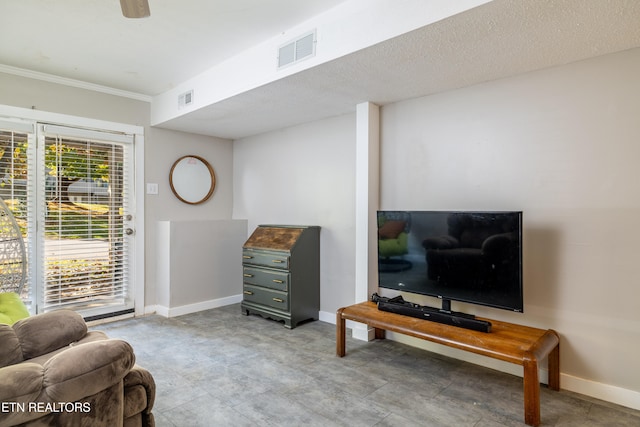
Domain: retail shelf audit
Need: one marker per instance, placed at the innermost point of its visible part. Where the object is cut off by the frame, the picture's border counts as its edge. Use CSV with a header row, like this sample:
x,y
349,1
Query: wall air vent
x,y
296,50
185,99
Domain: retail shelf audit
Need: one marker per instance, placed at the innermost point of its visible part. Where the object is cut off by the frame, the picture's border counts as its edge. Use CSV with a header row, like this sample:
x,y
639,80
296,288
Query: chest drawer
x,y
266,259
273,279
264,296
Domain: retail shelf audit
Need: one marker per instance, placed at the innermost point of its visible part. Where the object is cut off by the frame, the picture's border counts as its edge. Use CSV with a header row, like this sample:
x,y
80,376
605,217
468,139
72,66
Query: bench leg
x,y
531,393
554,368
341,330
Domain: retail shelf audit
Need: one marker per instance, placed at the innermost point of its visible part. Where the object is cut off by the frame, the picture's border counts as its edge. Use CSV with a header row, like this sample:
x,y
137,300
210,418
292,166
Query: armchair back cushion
x,y
39,335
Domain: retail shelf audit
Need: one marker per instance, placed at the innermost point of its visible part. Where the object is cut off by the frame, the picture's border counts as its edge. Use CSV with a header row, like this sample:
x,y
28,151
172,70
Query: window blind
x,y
15,140
85,249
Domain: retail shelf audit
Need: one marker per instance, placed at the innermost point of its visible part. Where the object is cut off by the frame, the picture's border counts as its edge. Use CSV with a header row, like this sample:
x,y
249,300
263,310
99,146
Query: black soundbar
x,y
434,315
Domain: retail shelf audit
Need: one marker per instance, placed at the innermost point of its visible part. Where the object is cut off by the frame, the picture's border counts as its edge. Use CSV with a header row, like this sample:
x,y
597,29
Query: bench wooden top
x,y
506,341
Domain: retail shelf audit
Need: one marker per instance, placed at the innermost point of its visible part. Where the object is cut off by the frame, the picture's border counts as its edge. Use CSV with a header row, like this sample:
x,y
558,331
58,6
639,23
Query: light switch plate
x,y
152,188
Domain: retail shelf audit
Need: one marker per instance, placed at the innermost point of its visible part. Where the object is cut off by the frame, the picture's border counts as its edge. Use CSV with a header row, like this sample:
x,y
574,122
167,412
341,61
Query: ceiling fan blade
x,y
135,8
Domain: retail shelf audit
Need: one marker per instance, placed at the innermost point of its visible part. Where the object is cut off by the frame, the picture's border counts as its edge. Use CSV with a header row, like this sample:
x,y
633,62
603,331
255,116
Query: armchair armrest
x,y
86,369
19,385
141,377
47,332
69,376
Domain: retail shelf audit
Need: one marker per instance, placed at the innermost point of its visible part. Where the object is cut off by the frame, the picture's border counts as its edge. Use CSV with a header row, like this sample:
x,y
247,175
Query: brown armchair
x,y
53,372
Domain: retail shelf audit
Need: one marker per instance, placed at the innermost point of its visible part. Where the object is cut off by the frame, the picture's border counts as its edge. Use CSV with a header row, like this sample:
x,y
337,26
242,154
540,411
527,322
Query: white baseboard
x,y
358,330
606,392
327,317
150,309
610,393
193,308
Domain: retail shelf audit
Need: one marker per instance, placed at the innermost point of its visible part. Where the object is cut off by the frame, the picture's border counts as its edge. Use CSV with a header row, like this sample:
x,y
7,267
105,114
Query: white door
x,y
87,233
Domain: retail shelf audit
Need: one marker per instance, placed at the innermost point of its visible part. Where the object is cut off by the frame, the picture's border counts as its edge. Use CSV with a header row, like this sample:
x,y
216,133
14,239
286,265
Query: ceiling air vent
x,y
296,50
185,99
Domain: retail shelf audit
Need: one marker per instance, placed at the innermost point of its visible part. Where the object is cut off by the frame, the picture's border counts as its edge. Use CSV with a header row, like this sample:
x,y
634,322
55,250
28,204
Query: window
x,y
71,191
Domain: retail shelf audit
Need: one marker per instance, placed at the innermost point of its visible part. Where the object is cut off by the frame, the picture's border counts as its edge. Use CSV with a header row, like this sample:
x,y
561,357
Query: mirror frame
x,y
176,191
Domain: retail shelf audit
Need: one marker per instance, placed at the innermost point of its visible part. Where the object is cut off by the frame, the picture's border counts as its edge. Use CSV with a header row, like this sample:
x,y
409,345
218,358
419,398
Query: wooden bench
x,y
509,342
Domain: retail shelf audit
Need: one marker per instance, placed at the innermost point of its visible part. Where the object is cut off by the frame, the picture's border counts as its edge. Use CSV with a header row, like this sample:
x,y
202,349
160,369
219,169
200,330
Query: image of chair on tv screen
x,y
393,241
479,250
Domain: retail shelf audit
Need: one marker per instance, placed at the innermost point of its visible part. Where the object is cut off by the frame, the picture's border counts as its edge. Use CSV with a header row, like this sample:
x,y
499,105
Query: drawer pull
x,y
248,293
278,281
247,275
278,261
247,257
278,299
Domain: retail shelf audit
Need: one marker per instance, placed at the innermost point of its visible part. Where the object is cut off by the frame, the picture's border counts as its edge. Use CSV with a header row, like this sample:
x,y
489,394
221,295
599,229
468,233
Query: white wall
x,y
305,175
562,145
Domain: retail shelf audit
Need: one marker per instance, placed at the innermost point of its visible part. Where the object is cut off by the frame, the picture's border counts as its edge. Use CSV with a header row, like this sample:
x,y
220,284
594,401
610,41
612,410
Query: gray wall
x,y
305,175
560,144
162,148
56,98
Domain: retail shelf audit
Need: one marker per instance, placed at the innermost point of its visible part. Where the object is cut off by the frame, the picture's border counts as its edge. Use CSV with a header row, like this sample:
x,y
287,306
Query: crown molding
x,y
7,69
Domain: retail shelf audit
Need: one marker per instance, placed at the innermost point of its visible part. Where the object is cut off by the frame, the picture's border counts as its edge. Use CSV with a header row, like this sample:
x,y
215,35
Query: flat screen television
x,y
473,257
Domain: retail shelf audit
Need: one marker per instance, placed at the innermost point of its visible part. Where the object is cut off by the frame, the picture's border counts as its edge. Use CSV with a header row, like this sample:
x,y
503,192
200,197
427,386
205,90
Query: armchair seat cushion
x,y
90,337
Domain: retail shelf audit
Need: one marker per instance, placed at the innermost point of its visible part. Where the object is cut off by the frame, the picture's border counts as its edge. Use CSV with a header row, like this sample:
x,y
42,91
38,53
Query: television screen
x,y
474,257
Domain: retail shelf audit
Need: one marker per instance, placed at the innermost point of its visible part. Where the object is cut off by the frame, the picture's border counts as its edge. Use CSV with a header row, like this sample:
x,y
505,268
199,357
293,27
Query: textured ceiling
x,y
88,40
500,39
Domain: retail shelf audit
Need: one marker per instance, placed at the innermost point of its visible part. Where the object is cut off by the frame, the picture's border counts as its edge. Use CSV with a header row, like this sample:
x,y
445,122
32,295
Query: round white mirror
x,y
192,179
